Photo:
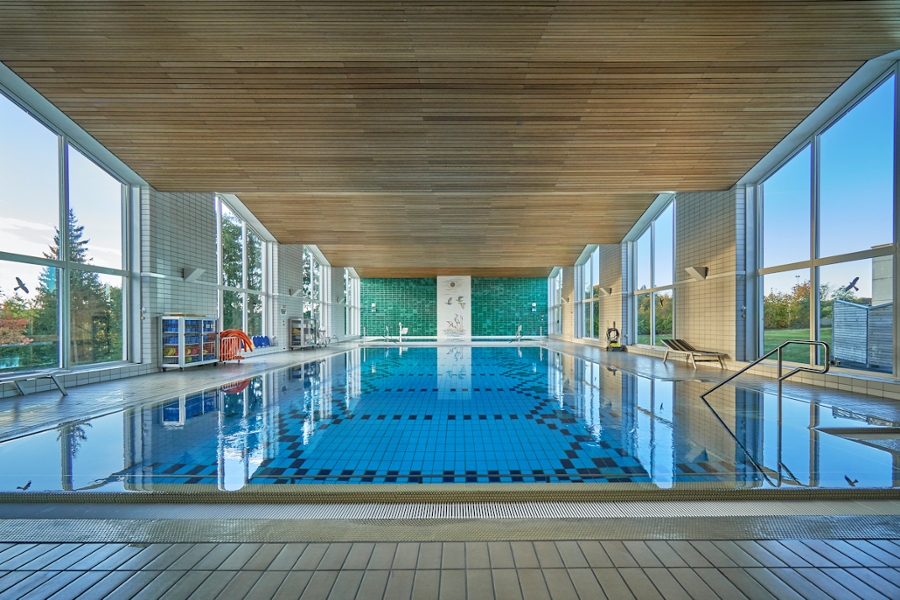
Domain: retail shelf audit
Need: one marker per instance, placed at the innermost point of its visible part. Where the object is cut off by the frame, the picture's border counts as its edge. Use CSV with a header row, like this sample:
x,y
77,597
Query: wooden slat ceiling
x,y
421,138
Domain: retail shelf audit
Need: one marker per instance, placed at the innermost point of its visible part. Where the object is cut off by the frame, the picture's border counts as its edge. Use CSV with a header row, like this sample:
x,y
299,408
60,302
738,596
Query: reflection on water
x,y
476,415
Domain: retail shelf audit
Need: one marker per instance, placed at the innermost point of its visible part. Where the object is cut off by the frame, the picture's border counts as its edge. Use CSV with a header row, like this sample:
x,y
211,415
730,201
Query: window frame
x,y
813,264
244,289
653,290
588,305
129,267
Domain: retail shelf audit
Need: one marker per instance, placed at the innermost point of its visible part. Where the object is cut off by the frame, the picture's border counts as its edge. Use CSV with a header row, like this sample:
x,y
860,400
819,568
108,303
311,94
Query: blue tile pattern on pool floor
x,y
499,425
498,418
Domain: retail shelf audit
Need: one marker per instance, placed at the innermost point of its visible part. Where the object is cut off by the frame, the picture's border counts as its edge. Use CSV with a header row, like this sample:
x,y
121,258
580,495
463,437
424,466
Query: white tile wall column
x,y
338,311
709,232
178,231
287,272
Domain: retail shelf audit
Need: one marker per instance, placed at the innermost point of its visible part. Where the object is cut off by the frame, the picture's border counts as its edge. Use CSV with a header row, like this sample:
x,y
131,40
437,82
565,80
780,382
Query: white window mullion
x,y
62,275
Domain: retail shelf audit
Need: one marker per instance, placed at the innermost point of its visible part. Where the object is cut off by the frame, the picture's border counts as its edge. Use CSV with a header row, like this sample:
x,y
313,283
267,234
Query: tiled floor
x,y
567,569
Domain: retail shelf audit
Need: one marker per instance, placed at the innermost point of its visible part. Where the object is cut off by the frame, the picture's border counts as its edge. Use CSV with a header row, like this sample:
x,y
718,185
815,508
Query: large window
x,y
312,286
827,241
654,267
241,253
62,287
588,307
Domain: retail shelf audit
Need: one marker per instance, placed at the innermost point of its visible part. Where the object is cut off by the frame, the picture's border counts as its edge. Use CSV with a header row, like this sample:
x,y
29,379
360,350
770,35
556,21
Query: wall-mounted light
x,y
373,307
192,274
697,273
534,307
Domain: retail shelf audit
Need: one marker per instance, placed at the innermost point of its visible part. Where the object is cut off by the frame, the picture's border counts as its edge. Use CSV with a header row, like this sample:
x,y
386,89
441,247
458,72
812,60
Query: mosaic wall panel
x,y
500,305
412,302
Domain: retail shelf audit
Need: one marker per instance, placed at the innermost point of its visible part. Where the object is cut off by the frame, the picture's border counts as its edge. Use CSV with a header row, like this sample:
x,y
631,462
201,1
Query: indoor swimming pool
x,y
460,415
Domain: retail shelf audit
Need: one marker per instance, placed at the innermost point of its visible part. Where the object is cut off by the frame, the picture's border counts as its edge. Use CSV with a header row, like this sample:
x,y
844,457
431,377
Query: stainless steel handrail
x,y
781,377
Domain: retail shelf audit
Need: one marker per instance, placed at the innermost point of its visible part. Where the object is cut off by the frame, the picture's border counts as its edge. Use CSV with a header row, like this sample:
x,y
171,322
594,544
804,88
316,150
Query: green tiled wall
x,y
499,306
412,302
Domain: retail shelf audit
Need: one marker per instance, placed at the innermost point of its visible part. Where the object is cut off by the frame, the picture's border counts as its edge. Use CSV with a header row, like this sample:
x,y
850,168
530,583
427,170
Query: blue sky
x,y
856,196
29,193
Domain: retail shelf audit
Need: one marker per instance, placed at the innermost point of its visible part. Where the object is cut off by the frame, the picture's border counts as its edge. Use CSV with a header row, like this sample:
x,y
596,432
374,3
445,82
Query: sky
x,y
29,197
856,197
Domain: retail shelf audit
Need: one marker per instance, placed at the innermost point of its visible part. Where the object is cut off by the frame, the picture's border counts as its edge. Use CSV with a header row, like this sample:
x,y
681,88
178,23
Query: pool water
x,y
452,415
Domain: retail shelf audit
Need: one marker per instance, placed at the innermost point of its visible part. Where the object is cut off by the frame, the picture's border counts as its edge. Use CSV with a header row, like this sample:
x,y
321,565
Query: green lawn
x,y
774,337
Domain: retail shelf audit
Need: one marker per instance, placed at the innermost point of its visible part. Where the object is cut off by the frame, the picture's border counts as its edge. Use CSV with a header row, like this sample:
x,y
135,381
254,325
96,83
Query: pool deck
x,y
841,548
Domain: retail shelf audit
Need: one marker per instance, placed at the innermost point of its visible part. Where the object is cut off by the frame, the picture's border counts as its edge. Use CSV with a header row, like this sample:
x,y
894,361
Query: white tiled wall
x,y
337,311
288,275
568,307
614,275
707,235
178,231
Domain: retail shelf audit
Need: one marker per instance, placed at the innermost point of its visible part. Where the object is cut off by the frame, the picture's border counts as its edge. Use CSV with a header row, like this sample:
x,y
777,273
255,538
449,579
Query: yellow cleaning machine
x,y
612,340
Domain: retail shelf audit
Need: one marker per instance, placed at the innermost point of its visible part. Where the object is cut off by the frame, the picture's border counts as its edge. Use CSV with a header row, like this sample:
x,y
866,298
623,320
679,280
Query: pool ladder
x,y
765,472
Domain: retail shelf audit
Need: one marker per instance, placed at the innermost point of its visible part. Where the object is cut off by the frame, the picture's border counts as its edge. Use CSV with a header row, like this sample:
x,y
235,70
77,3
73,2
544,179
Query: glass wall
x,y
588,274
241,256
654,267
62,289
827,220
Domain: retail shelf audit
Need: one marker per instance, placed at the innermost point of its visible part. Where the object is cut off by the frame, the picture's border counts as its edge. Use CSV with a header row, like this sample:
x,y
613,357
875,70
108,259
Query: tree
x,y
95,309
643,318
232,270
14,321
788,310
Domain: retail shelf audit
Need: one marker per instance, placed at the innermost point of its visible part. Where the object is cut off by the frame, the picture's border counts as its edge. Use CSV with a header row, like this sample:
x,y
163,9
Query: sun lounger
x,y
682,347
16,379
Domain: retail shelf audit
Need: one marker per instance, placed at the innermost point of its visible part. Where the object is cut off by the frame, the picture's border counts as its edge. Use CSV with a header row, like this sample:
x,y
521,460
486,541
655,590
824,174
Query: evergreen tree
x,y
232,271
95,308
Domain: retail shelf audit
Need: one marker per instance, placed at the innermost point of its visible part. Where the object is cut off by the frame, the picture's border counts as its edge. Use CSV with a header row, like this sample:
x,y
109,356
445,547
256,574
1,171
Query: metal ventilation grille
x,y
453,511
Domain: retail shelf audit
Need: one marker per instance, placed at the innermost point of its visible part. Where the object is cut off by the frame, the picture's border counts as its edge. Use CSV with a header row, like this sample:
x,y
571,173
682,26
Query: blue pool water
x,y
451,415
